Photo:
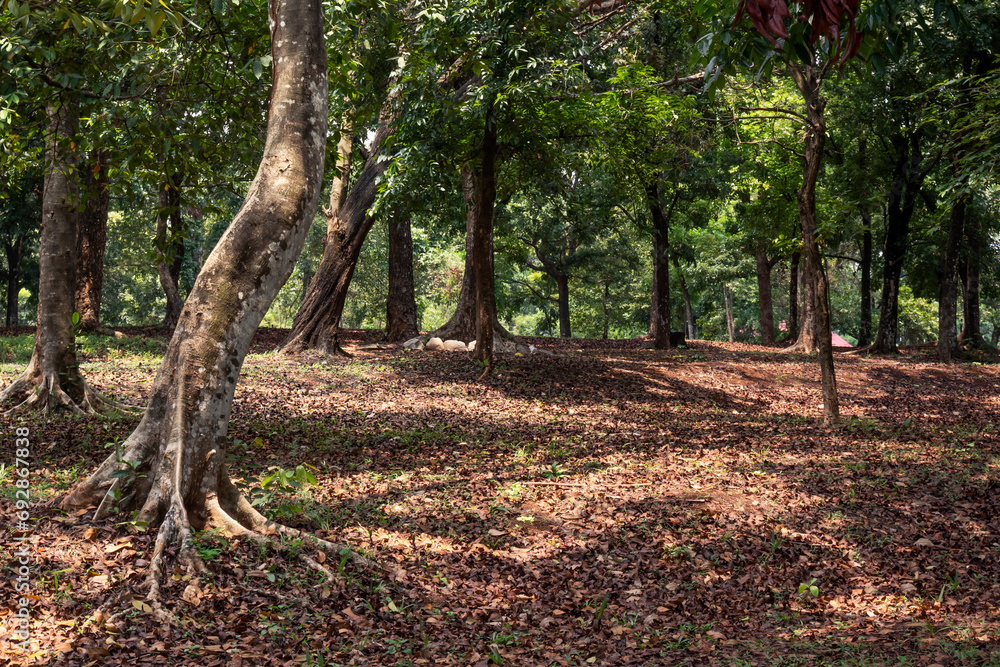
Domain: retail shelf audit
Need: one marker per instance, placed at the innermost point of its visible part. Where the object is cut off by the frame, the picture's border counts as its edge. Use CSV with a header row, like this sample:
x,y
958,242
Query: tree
x,y
91,241
808,59
401,303
172,468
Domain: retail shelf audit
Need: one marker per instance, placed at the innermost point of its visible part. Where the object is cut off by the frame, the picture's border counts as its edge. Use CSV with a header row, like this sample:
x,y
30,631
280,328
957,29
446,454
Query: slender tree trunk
x,y
178,448
659,312
170,242
727,297
91,242
947,345
340,183
764,296
692,332
865,328
401,306
995,336
793,296
808,82
607,317
52,379
907,179
317,322
971,330
562,287
15,255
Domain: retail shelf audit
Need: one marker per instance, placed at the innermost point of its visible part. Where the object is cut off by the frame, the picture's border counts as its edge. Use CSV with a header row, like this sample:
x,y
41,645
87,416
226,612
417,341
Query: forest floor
x,y
608,505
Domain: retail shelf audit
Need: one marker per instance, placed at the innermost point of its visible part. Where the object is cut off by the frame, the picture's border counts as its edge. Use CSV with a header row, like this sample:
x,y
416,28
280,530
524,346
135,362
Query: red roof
x,y
838,341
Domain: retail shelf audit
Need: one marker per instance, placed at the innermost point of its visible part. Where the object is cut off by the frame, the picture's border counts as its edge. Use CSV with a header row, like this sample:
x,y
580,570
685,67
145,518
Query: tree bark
x,y
317,322
766,303
907,179
947,345
14,252
170,243
52,379
91,242
808,82
178,447
659,311
401,306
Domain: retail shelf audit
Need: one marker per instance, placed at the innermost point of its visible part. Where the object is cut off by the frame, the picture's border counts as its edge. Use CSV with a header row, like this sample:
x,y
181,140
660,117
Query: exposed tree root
x,y
46,395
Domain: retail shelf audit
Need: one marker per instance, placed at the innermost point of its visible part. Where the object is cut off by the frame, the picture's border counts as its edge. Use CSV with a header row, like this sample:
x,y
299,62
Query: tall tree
x,y
178,447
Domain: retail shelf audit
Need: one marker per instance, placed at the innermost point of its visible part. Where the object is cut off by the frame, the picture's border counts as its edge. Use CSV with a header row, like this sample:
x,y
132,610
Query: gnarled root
x,y
45,394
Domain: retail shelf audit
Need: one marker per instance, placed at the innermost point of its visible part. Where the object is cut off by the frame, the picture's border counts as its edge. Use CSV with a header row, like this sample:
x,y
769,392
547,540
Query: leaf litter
x,y
608,505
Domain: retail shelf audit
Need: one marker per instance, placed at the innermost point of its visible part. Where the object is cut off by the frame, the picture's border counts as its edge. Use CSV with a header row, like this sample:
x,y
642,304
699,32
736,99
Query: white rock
x,y
434,345
454,346
414,343
538,350
471,347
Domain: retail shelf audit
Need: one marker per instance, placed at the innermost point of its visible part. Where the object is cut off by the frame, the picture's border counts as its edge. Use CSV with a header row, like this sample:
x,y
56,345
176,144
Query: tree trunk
x,y
659,311
995,336
15,255
91,242
808,82
971,330
178,447
727,297
562,286
907,179
764,266
170,243
480,192
401,306
947,345
793,296
865,328
462,324
52,379
692,332
317,322
607,317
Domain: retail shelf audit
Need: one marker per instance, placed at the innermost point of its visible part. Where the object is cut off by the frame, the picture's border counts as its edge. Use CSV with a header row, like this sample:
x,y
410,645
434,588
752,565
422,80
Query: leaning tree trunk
x,y
808,82
764,299
659,311
401,305
15,255
170,242
907,179
52,379
178,449
91,242
317,322
947,345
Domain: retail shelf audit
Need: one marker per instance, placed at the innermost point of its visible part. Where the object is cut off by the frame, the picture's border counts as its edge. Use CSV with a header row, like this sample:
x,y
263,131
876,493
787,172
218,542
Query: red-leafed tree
x,y
809,46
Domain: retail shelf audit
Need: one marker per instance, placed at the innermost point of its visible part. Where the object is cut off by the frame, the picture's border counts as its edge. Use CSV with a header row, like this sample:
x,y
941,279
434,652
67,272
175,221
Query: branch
x,y
788,112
